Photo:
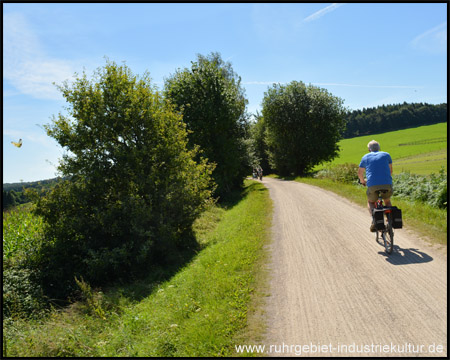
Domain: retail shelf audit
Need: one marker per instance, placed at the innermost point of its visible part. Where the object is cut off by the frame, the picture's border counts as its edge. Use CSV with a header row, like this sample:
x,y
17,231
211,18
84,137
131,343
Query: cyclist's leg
x,y
371,206
371,198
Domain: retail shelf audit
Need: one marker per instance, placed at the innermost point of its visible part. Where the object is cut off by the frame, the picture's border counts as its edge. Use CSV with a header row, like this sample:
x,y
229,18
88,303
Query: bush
x,y
133,189
431,190
345,173
22,296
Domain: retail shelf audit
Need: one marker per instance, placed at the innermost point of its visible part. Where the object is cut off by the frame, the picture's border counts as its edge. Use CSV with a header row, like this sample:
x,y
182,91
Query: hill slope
x,y
420,150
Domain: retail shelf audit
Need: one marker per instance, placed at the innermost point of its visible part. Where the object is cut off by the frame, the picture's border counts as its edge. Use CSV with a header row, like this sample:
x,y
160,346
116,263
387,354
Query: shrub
x,y
22,296
345,173
431,190
133,189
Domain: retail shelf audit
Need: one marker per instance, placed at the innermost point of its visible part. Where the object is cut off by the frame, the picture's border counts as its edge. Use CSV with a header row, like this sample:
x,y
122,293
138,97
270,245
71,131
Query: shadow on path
x,y
401,256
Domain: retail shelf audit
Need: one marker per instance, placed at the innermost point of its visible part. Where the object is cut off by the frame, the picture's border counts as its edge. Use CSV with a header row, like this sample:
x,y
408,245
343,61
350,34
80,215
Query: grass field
x,y
421,150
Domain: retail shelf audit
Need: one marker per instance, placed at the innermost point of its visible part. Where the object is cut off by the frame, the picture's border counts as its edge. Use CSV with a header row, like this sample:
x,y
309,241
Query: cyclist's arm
x,y
390,168
361,175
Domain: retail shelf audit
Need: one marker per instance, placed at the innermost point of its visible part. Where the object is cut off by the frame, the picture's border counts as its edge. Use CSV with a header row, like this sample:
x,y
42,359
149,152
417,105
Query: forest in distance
x,y
385,118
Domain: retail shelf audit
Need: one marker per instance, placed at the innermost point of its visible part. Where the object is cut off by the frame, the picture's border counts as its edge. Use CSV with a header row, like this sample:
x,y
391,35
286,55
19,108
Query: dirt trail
x,y
333,287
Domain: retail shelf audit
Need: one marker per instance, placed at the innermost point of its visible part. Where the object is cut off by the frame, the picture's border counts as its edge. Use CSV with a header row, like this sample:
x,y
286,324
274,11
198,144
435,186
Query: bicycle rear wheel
x,y
379,238
388,235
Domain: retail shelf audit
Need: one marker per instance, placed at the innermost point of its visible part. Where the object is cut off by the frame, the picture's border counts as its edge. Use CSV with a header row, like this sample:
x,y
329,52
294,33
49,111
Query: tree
x,y
258,135
9,199
134,189
304,125
212,101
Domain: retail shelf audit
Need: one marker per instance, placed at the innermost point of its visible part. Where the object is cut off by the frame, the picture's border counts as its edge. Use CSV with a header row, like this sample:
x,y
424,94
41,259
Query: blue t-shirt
x,y
377,168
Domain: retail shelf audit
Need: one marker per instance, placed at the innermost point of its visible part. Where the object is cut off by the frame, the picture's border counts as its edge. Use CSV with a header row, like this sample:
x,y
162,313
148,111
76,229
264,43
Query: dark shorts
x,y
372,195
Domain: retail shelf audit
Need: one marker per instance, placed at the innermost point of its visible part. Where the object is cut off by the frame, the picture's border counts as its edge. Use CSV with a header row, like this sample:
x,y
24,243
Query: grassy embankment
x,y
202,310
421,150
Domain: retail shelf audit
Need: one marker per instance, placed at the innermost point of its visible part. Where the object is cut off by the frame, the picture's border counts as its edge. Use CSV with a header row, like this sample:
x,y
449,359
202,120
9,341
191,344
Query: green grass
x,y
420,150
201,311
22,231
430,222
423,164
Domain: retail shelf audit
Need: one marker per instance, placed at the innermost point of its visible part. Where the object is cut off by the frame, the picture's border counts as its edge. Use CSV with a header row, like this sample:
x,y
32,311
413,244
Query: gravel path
x,y
334,290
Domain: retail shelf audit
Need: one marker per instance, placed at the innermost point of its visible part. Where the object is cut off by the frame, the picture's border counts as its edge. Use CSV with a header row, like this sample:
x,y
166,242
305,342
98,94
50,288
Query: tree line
x,y
11,198
387,118
15,193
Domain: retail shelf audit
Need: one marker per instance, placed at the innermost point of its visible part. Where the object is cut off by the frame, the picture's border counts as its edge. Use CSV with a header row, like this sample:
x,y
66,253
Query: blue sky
x,y
368,54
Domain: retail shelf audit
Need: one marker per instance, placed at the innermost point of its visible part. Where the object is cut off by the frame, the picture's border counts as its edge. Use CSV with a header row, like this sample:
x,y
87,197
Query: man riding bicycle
x,y
378,167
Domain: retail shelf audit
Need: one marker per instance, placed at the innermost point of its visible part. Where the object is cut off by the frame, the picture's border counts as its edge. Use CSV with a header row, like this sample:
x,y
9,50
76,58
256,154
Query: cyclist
x,y
378,167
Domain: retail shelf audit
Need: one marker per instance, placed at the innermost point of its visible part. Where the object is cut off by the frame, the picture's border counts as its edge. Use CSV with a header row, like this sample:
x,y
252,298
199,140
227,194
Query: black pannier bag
x,y
378,218
396,214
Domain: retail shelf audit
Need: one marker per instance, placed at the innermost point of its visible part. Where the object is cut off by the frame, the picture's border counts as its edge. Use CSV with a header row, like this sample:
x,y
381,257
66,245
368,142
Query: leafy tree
x,y
304,124
258,134
133,188
212,101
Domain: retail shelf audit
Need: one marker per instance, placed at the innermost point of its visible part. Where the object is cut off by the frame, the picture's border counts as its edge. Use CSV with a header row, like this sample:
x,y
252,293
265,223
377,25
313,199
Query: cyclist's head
x,y
373,146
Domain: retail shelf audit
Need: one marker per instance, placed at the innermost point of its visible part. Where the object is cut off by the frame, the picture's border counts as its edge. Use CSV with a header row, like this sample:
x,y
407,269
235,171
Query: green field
x,y
421,150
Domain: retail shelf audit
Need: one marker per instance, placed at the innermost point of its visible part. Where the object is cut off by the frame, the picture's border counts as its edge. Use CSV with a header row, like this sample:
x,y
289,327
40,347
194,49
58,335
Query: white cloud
x,y
433,40
322,12
25,64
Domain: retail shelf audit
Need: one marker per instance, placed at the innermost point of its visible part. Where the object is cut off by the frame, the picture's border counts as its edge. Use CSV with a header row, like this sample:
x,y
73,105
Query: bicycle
x,y
384,232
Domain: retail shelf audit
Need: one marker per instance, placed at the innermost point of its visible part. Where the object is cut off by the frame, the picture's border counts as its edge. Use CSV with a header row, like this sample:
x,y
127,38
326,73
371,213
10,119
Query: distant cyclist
x,y
378,167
